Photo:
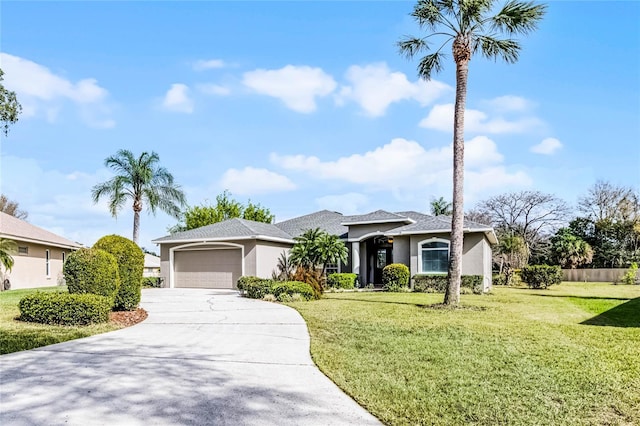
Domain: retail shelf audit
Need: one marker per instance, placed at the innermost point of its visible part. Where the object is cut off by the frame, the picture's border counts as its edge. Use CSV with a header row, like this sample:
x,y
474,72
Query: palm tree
x,y
513,253
331,249
304,252
440,207
7,249
140,180
471,28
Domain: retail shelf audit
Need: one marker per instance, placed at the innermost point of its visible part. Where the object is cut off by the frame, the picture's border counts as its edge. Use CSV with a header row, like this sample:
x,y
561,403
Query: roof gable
x,y
326,220
229,229
378,216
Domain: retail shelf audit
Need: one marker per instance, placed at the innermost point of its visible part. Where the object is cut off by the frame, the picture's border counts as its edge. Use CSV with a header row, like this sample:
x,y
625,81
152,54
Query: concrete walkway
x,y
205,357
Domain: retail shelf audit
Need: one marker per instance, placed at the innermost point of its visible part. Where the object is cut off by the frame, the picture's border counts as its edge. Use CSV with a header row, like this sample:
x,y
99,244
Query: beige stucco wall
x,y
401,251
267,254
357,231
29,270
476,254
259,258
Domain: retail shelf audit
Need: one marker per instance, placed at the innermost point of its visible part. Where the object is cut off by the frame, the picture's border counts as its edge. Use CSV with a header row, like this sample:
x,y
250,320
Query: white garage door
x,y
207,268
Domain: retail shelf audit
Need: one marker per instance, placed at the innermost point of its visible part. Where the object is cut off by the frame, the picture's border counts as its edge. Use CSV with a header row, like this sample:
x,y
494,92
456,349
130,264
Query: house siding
x,y
29,270
267,254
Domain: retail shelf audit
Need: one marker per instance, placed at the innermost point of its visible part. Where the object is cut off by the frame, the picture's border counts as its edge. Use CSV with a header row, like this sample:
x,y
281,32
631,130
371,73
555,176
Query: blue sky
x,y
302,106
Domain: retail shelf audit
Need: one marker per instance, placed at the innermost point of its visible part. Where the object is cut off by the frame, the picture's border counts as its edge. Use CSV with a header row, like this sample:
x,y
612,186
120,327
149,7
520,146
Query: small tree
x,y
10,108
570,251
12,208
7,249
440,207
512,254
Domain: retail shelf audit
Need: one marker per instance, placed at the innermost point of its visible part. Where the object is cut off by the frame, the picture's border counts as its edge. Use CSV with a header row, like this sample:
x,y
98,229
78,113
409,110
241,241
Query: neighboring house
x,y
40,256
215,256
151,266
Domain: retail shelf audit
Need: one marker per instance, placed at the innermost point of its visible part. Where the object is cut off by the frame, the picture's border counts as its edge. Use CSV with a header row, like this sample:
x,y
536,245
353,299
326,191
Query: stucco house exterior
x,y
40,256
151,266
215,256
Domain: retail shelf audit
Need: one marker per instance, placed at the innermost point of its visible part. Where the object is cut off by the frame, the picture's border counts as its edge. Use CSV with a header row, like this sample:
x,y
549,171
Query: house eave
x,y
491,236
219,239
41,242
378,221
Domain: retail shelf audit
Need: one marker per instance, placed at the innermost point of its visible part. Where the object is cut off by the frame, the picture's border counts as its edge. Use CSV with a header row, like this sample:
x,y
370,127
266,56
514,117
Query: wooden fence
x,y
607,275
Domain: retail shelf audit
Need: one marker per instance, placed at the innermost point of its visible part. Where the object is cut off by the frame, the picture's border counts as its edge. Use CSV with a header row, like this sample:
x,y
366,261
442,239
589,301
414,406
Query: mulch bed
x,y
128,318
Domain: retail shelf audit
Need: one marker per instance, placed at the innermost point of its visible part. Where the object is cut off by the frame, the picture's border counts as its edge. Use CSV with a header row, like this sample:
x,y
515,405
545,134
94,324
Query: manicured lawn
x,y
18,336
516,356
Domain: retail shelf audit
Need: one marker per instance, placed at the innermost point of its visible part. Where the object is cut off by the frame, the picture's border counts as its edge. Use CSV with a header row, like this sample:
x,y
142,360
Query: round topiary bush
x,y
395,276
92,271
130,259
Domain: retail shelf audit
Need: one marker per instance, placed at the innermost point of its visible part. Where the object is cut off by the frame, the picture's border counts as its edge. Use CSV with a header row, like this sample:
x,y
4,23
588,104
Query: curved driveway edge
x,y
205,357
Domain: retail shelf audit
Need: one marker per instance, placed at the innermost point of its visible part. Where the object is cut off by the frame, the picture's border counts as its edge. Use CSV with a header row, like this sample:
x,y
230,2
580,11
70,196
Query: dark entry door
x,y
383,257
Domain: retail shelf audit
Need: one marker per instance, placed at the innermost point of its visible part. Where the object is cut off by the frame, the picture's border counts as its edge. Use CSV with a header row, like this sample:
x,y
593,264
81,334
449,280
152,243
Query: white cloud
x,y
403,165
250,181
177,99
213,89
441,118
42,92
547,147
510,103
350,203
296,86
374,87
208,64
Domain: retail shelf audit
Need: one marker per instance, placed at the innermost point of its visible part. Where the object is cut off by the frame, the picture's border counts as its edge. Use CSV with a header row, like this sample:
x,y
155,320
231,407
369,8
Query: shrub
x,y
312,277
438,283
257,289
342,280
152,282
630,277
92,271
541,276
64,308
292,287
395,276
242,281
284,297
130,259
297,297
269,298
499,279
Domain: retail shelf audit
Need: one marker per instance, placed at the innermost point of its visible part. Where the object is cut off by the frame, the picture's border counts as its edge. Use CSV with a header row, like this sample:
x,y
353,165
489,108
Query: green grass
x,y
18,336
516,356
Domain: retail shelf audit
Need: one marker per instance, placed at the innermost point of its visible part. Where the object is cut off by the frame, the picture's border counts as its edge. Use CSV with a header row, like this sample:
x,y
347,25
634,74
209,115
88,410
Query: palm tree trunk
x,y
452,295
136,225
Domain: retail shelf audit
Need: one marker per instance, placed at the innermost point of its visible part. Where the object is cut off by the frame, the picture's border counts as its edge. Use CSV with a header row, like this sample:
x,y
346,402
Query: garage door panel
x,y
207,268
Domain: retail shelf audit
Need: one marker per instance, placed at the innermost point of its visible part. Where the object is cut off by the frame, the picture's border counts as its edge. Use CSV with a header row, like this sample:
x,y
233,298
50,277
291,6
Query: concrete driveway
x,y
206,357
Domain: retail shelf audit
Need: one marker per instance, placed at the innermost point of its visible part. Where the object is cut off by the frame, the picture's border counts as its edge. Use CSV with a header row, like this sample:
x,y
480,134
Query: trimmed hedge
x,y
92,271
292,287
541,276
130,259
395,277
64,308
258,288
342,280
438,283
152,282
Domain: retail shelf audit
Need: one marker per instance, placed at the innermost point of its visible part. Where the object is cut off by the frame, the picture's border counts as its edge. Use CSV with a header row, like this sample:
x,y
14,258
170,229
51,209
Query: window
x,y
64,256
434,256
23,250
332,268
47,256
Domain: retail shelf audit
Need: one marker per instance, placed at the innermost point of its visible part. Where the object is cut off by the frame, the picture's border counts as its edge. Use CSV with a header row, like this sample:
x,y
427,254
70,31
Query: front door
x,y
382,258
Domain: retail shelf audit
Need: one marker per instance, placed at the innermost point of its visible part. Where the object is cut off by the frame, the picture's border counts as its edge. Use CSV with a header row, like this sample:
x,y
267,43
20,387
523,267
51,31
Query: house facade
x,y
40,257
215,256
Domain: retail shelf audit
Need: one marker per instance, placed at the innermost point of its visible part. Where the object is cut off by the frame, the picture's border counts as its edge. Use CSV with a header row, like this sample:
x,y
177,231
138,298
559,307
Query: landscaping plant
x,y
395,277
92,271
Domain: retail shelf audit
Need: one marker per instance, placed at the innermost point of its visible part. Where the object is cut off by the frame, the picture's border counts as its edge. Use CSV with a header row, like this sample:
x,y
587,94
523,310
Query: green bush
x,y
438,283
242,281
152,282
395,277
292,287
541,276
130,259
630,277
342,280
257,289
92,271
64,308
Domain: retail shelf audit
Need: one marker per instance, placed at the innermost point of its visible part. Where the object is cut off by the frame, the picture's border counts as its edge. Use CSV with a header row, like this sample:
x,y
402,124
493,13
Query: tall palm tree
x,y
142,181
305,252
440,207
331,249
471,27
7,249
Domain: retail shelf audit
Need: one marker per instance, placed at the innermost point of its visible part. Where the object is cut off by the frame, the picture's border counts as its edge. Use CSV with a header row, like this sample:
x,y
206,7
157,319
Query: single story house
x,y
40,256
151,266
215,256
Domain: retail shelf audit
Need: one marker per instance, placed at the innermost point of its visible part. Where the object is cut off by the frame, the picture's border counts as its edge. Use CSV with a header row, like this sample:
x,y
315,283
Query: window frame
x,y
47,261
421,249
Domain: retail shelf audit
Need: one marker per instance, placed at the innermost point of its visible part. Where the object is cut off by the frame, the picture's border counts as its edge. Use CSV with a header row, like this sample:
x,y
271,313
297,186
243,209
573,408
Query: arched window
x,y
434,256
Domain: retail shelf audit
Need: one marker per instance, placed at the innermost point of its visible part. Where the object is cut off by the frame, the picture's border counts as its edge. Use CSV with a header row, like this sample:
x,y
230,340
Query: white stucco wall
x,y
29,270
267,254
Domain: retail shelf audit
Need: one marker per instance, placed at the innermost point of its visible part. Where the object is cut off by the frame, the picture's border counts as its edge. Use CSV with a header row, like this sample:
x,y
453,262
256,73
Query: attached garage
x,y
207,268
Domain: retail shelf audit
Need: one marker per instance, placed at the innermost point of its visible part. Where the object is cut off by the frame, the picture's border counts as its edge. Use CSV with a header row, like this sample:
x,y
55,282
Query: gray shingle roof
x,y
326,220
414,215
17,229
433,224
229,229
376,216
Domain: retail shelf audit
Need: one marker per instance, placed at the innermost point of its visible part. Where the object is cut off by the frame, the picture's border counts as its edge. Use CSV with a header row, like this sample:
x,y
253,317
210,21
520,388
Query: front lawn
x,y
569,355
18,336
